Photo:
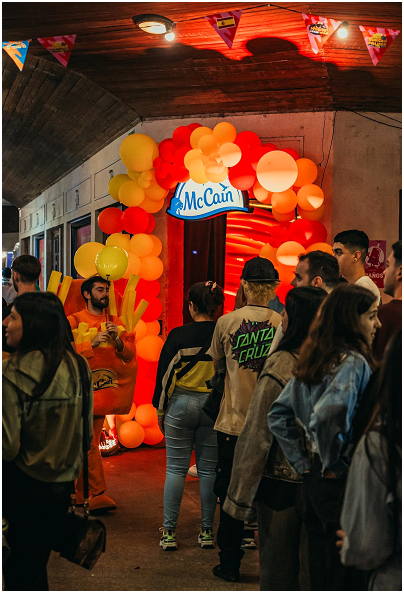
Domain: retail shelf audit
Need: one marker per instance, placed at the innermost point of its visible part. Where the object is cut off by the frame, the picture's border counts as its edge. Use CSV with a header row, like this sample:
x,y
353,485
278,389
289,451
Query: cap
x,y
259,269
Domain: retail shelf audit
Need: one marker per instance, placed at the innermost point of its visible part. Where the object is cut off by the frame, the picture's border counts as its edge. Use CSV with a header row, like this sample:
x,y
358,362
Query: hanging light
x,y
343,30
156,25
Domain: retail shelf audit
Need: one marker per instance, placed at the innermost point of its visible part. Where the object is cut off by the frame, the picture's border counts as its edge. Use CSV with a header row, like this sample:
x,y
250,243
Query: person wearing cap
x,y
243,338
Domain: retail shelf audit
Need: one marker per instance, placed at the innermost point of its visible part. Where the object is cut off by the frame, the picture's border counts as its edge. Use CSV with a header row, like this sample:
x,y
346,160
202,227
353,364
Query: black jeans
x,y
35,511
322,502
231,531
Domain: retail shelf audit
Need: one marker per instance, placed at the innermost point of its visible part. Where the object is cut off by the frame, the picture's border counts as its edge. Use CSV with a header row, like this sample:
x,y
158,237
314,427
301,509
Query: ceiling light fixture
x,y
343,30
156,25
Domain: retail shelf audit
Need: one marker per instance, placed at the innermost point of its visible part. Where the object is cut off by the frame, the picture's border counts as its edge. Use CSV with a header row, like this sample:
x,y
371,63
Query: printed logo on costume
x,y
251,343
103,379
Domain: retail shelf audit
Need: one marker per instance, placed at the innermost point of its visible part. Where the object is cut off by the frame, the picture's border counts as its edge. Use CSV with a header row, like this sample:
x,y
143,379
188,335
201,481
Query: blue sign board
x,y
194,201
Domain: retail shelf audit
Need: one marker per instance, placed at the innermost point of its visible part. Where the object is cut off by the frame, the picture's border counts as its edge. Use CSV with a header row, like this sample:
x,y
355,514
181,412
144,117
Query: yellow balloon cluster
x,y
143,252
212,153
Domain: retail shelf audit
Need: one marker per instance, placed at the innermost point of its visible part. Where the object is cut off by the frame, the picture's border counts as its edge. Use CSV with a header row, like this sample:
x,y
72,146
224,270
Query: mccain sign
x,y
193,201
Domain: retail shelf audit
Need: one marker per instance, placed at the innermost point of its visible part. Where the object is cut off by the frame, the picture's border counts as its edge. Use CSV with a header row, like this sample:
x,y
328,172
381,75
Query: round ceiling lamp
x,y
156,25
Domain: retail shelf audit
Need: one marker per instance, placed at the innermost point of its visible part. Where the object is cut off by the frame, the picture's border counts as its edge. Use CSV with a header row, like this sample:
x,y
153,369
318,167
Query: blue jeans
x,y
186,425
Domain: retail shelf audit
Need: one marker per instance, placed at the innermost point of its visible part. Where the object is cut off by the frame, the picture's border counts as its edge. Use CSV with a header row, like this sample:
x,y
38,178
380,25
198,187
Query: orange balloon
x,y
269,252
283,217
197,134
276,171
225,132
199,176
155,192
288,253
129,416
153,328
152,206
151,267
208,144
193,160
131,434
261,194
149,348
217,177
146,415
284,202
157,245
152,435
320,247
141,244
140,330
131,194
310,197
313,215
230,154
118,240
133,265
286,273
307,172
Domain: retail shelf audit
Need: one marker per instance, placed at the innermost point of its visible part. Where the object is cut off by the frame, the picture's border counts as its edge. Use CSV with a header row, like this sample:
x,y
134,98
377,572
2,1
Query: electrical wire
x,y
370,118
383,115
329,150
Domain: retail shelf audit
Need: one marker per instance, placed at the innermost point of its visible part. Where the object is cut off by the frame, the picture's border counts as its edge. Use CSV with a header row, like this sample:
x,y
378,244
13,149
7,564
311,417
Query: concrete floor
x,y
133,560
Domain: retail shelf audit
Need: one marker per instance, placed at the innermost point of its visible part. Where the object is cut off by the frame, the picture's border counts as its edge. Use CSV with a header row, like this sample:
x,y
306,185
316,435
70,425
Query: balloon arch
x,y
130,259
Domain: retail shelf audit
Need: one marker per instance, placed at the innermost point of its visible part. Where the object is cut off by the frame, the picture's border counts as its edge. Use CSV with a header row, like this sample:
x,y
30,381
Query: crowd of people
x,y
294,414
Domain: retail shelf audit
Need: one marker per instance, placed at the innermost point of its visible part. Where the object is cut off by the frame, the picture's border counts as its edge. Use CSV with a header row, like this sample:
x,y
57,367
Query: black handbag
x,y
82,538
211,407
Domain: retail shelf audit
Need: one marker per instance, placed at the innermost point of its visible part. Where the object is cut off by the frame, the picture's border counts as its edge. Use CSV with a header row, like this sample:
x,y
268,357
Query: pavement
x,y
133,560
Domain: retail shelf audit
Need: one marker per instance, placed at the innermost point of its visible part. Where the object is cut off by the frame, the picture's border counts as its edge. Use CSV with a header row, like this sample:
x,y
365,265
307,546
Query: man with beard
x,y
95,291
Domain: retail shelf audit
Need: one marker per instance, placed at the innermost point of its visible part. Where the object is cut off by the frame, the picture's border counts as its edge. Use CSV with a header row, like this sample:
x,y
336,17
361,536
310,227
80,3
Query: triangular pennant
x,y
319,29
377,40
17,50
225,24
61,47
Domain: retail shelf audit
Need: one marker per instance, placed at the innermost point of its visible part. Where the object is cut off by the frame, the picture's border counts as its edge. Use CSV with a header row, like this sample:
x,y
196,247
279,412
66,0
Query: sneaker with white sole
x,y
168,540
193,472
206,539
248,543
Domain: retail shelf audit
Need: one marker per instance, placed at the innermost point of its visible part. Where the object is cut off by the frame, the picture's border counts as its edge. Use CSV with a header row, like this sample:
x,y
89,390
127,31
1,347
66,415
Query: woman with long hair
x,y
44,383
371,515
331,374
260,470
181,391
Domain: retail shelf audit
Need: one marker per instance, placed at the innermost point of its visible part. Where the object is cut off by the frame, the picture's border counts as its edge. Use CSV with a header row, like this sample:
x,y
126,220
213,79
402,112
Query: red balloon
x,y
319,233
181,137
145,381
163,170
167,150
301,231
179,156
282,291
166,183
257,153
242,176
150,225
135,220
270,146
180,174
247,141
153,310
147,288
193,127
120,285
293,153
110,220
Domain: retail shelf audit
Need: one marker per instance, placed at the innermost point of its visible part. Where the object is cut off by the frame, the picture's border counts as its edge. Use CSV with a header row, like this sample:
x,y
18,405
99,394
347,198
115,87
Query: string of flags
x,y
319,30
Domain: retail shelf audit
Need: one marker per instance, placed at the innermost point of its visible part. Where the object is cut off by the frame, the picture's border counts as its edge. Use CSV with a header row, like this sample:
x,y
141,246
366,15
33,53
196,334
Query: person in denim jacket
x,y
332,372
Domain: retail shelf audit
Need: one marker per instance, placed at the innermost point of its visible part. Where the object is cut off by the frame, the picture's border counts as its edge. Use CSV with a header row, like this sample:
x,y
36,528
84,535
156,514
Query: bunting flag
x,y
377,40
319,29
225,24
17,50
60,47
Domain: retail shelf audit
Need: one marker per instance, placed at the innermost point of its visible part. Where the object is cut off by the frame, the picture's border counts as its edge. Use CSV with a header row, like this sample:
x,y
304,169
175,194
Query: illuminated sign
x,y
194,201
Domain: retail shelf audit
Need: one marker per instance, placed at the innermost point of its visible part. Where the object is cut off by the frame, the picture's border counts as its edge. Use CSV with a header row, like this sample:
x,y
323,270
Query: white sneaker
x,y
193,472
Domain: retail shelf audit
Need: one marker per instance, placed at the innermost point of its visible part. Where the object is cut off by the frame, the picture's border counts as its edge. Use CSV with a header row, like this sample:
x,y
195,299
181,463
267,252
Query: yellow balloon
x,y
118,240
225,132
138,152
131,194
217,177
115,185
133,265
111,263
140,330
199,176
151,267
157,245
84,258
155,192
141,244
152,206
133,174
143,183
197,135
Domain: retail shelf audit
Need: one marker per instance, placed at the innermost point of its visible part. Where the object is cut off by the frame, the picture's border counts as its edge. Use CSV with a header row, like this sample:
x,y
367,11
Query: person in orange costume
x,y
110,374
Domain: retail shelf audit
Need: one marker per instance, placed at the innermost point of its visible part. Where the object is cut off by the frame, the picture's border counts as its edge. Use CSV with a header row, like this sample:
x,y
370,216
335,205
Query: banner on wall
x,y
61,47
377,40
375,262
319,29
194,201
225,24
17,50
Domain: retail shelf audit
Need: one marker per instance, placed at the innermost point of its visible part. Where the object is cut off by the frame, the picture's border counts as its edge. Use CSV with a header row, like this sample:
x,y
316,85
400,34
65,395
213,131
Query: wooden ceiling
x,y
55,117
